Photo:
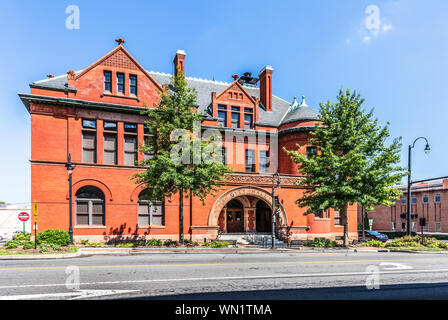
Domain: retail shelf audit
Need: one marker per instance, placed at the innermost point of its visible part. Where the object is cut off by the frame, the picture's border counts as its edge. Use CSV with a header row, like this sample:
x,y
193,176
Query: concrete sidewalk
x,y
90,251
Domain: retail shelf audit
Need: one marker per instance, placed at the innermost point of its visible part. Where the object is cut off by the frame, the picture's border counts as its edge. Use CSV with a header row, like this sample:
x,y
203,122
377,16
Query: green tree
x,y
353,164
180,167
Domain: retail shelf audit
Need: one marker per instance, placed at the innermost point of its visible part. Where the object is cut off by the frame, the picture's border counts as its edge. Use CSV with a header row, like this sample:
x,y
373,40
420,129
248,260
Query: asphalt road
x,y
230,276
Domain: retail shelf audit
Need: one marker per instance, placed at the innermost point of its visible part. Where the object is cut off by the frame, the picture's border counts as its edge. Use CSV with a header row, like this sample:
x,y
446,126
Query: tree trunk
x,y
181,216
344,210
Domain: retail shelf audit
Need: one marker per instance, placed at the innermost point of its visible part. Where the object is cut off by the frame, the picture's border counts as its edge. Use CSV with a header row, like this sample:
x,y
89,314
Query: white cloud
x,y
366,39
386,27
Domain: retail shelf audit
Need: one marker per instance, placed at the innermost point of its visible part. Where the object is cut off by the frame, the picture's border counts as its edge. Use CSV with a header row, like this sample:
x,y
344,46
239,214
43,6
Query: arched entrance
x,y
235,216
263,221
252,199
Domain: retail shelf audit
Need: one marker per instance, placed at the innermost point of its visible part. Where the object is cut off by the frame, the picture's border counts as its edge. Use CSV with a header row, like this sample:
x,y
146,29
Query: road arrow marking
x,y
74,295
394,266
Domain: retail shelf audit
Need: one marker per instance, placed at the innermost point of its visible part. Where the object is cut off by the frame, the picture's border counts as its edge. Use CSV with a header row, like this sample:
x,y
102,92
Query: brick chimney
x,y
265,76
179,61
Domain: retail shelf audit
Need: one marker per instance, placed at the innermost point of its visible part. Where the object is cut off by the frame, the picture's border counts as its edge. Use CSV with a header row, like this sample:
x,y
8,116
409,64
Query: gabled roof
x,y
237,84
299,112
281,109
110,54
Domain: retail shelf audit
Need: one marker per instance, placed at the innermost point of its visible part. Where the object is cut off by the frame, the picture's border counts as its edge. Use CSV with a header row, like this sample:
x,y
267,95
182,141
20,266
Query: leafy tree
x,y
180,167
353,164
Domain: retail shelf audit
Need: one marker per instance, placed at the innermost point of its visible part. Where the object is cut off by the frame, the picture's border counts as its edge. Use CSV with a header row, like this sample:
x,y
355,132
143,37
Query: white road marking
x,y
78,294
272,276
394,266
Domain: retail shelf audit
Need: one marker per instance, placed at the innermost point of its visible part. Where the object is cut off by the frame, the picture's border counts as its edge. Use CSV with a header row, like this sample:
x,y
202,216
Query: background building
x,y
428,199
9,221
95,115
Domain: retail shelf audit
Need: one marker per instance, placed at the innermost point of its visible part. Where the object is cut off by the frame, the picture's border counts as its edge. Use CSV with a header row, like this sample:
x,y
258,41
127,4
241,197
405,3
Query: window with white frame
x,y
90,207
150,213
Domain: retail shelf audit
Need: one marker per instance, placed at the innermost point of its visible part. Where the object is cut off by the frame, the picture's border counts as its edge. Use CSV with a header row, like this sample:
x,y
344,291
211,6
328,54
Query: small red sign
x,y
24,216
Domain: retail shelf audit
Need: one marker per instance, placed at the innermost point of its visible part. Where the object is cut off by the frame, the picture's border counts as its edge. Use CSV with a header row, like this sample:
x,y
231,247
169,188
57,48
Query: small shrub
x,y
12,244
55,247
154,243
84,242
190,243
124,245
22,236
216,244
374,243
320,243
52,236
171,243
44,248
28,245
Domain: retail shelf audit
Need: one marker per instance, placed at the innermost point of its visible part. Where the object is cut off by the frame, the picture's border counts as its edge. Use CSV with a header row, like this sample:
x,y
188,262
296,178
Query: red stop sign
x,y
24,216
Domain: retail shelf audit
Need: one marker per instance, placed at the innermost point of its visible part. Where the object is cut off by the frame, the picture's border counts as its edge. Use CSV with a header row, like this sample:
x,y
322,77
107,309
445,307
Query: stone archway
x,y
240,193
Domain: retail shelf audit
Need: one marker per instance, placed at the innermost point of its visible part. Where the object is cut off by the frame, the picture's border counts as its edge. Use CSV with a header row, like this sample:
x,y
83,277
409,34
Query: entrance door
x,y
235,221
263,217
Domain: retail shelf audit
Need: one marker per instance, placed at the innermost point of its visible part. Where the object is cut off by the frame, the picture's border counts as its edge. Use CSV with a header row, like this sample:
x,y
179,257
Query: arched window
x,y
150,213
90,206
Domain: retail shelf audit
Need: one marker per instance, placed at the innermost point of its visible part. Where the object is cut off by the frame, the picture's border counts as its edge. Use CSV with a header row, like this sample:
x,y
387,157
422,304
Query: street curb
x,y
420,252
41,256
368,250
178,251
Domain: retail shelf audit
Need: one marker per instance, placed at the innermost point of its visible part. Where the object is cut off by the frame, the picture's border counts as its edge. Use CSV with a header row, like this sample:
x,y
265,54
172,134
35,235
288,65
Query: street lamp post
x,y
408,203
70,209
273,205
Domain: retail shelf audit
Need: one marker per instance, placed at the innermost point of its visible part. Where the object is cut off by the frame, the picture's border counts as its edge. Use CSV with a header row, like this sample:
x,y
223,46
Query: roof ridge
x,y
190,78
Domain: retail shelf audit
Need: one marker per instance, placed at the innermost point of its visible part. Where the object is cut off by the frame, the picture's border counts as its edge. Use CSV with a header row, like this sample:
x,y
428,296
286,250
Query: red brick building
x,y
429,200
95,115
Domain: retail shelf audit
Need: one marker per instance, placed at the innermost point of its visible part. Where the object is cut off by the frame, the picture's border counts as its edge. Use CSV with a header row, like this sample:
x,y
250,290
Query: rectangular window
x,y
264,161
250,160
235,120
90,212
425,198
222,119
147,155
130,150
120,82
438,227
414,200
248,118
425,227
403,201
89,141
130,128
414,226
224,155
110,143
108,81
318,214
403,226
133,84
151,213
437,198
310,151
393,226
337,218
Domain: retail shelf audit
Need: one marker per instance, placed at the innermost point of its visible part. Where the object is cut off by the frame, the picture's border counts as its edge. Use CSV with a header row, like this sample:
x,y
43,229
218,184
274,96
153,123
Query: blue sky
x,y
315,47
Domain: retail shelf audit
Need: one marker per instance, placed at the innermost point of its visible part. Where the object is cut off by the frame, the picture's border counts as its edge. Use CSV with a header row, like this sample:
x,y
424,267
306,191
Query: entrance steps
x,y
258,239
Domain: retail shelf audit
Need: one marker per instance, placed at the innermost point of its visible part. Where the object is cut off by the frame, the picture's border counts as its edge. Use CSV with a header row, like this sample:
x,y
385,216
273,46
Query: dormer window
x,y
133,84
120,82
108,81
